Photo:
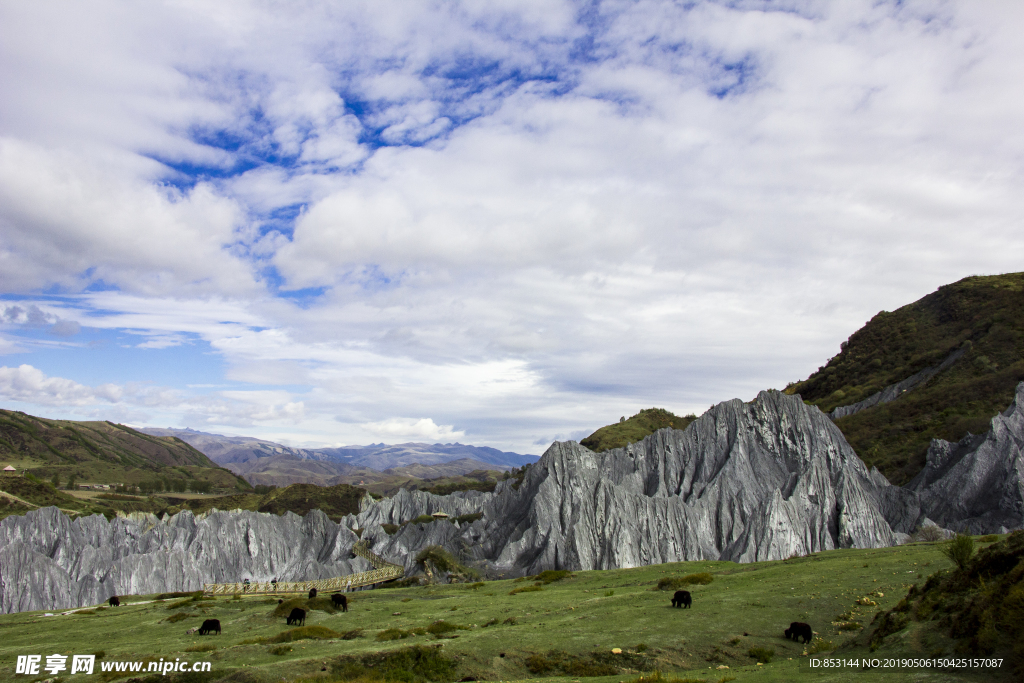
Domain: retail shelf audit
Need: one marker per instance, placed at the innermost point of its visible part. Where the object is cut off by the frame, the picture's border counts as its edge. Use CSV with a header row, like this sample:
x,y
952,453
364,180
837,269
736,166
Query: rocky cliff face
x,y
977,485
745,482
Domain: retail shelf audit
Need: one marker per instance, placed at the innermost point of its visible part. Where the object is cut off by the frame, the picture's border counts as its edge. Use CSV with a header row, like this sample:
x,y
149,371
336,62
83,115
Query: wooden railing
x,y
382,571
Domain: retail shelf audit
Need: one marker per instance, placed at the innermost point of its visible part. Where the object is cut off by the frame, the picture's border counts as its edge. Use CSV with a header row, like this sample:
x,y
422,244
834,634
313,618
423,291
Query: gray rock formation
x,y
745,482
50,562
977,485
894,391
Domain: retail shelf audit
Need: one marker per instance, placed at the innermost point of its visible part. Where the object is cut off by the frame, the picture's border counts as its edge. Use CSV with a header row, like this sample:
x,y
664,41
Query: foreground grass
x,y
566,630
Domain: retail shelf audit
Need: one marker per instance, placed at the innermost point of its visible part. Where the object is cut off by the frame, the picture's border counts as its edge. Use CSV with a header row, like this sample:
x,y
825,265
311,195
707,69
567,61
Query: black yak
x,y
798,630
681,599
209,626
297,617
340,600
114,601
312,593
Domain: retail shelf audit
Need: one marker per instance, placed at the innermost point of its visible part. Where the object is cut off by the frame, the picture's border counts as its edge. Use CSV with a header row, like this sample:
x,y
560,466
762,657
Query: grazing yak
x,y
297,617
340,600
114,601
209,626
312,593
798,630
682,599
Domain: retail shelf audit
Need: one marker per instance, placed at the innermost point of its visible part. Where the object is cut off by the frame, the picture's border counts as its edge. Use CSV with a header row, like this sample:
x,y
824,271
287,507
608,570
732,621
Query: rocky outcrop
x,y
894,391
50,562
746,482
977,485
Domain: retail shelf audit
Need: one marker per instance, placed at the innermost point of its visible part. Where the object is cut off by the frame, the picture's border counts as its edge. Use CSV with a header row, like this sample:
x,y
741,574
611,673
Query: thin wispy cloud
x,y
503,223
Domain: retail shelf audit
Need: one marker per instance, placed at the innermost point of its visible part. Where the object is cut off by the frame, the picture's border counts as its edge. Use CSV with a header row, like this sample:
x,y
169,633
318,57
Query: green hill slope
x,y
982,315
634,429
103,452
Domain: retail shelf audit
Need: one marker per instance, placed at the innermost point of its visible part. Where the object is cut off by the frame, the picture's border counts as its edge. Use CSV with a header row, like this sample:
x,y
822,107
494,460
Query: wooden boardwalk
x,y
382,571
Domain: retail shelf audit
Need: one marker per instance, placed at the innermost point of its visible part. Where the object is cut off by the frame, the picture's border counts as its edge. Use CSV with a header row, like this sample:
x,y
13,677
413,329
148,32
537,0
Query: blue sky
x,y
499,223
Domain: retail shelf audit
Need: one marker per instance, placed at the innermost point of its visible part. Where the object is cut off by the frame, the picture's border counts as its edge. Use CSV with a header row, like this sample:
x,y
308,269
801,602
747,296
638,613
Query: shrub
x,y
174,618
389,529
305,633
393,634
849,626
477,585
928,534
672,583
525,589
441,627
762,654
352,635
511,621
280,649
492,622
988,538
959,550
820,645
552,575
470,518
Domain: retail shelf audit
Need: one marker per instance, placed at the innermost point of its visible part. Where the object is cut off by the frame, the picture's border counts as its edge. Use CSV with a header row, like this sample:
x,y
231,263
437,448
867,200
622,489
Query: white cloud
x,y
27,384
579,214
410,428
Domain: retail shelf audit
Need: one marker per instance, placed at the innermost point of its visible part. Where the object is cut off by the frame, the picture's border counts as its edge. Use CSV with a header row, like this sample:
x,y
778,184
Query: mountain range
x,y
266,462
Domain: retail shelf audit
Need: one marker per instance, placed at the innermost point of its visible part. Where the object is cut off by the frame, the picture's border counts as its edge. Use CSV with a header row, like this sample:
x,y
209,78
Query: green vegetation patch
x,y
980,604
446,562
590,665
416,664
627,431
525,589
304,633
671,583
983,316
551,575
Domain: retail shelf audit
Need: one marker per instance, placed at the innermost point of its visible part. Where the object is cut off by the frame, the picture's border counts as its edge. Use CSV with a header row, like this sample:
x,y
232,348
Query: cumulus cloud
x,y
27,384
411,428
536,216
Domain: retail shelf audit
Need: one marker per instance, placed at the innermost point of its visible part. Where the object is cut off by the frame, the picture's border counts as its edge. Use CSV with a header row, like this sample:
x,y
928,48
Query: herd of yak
x,y
797,630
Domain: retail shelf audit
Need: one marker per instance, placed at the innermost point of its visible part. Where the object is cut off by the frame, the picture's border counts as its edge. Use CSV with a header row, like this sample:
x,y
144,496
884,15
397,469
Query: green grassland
x,y
627,431
562,630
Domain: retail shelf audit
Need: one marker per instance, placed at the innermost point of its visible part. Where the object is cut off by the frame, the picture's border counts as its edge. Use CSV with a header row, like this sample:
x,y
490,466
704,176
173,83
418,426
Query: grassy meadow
x,y
564,630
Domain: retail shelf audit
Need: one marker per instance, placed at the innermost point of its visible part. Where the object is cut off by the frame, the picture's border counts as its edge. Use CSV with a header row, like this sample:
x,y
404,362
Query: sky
x,y
500,223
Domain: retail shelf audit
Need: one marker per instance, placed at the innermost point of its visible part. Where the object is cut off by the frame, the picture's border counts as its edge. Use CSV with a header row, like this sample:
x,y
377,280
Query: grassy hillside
x,y
334,501
634,429
565,630
106,453
984,315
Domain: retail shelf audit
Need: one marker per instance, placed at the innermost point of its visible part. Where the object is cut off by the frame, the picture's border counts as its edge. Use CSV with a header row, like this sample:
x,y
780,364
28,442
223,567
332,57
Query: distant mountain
x,y
940,367
238,449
